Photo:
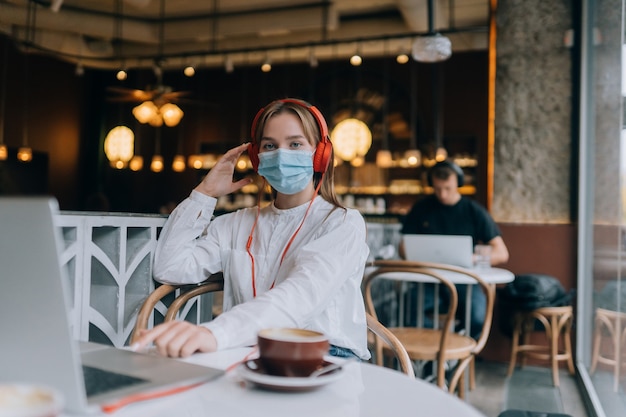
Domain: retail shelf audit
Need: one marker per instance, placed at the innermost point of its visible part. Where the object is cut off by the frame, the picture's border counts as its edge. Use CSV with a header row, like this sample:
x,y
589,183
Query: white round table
x,y
363,390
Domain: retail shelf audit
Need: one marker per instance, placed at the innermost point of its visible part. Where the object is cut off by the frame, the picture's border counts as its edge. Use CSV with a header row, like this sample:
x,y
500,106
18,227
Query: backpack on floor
x,y
530,291
526,293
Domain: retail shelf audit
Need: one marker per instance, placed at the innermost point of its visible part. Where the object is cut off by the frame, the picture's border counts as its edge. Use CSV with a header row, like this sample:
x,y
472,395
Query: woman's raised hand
x,y
219,180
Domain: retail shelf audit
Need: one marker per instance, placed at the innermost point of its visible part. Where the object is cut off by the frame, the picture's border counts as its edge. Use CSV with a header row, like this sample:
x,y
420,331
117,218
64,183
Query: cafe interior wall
x,y
51,112
534,177
535,145
217,118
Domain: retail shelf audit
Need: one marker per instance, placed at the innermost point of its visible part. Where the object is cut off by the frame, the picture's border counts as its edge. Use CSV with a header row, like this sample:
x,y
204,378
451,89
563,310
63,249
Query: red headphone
x,y
323,151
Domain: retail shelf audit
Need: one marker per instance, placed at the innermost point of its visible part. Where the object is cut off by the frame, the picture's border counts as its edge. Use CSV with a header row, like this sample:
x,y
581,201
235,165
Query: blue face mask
x,y
287,171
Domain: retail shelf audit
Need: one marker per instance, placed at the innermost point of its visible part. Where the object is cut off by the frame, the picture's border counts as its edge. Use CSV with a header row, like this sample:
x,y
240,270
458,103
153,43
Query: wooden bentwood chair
x,y
440,344
610,330
556,322
216,283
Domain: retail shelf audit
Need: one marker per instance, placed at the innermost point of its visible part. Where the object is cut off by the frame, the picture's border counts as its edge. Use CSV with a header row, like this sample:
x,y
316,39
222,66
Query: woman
x,y
297,262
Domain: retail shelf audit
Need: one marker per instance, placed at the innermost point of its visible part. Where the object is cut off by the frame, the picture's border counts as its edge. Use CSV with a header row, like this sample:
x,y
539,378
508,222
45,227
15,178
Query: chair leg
x,y
514,345
527,326
597,336
568,351
472,374
553,336
461,386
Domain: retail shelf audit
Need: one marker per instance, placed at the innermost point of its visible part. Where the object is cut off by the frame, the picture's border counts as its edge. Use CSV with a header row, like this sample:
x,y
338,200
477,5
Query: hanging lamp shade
x,y
119,144
432,48
384,159
25,154
171,114
178,164
157,163
413,157
136,164
351,138
146,112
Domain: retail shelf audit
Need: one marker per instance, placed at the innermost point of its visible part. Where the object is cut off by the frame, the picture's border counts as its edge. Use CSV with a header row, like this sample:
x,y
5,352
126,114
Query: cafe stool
x,y
612,325
556,321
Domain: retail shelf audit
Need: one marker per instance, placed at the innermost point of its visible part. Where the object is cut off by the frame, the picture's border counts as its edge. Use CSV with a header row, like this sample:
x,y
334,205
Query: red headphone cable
x,y
258,212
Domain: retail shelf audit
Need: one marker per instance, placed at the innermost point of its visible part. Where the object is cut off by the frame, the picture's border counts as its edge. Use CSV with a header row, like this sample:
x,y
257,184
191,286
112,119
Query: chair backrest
x,y
488,290
187,292
388,269
382,333
443,274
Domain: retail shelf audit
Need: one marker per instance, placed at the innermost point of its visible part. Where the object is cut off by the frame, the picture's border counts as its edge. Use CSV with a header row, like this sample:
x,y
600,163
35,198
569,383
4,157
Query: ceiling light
x,y
171,114
136,163
358,161
25,154
121,75
228,64
351,138
356,60
413,157
267,65
157,163
148,112
243,163
441,154
119,145
178,164
313,59
402,58
432,48
384,159
145,112
189,71
3,152
195,161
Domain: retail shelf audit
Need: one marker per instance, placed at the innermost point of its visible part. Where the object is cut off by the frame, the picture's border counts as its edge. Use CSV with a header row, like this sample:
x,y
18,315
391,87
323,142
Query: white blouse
x,y
317,286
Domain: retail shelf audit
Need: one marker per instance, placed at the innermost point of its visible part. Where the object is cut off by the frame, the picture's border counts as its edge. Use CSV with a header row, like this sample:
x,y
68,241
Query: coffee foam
x,y
292,335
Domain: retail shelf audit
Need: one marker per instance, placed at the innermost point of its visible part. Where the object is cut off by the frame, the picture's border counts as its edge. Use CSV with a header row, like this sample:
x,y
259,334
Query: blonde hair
x,y
312,133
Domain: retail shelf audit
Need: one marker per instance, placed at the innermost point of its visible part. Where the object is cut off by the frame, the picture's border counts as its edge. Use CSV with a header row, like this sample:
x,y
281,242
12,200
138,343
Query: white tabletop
x,y
363,390
489,275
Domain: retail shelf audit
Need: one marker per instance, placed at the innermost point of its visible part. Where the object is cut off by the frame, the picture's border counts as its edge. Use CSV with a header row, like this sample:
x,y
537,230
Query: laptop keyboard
x,y
98,381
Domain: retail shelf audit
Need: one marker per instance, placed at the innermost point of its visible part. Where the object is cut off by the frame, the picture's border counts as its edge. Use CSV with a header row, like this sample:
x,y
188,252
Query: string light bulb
x,y
157,163
356,60
189,71
136,164
25,154
178,164
267,65
402,58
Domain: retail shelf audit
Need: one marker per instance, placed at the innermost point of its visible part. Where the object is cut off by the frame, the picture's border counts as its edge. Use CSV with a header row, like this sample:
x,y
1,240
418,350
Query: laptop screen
x,y
445,249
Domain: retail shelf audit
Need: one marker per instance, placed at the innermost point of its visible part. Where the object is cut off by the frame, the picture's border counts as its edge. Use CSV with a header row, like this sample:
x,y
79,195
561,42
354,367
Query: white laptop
x,y
445,249
36,345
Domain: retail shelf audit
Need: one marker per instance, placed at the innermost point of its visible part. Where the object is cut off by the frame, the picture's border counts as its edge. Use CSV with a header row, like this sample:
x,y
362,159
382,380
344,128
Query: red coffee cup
x,y
291,352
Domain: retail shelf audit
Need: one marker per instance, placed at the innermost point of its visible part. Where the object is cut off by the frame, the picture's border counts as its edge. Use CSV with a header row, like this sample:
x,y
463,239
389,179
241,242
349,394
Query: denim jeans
x,y
341,352
477,312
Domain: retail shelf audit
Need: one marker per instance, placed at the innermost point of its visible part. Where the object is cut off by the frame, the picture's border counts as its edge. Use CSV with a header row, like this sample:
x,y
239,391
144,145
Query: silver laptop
x,y
36,344
445,249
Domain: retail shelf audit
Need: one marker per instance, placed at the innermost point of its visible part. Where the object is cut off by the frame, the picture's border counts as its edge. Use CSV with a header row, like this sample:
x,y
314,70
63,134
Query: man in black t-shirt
x,y
447,212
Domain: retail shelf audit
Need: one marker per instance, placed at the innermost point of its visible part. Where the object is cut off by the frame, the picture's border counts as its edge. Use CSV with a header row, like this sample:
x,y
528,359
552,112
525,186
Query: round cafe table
x,y
491,276
362,389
